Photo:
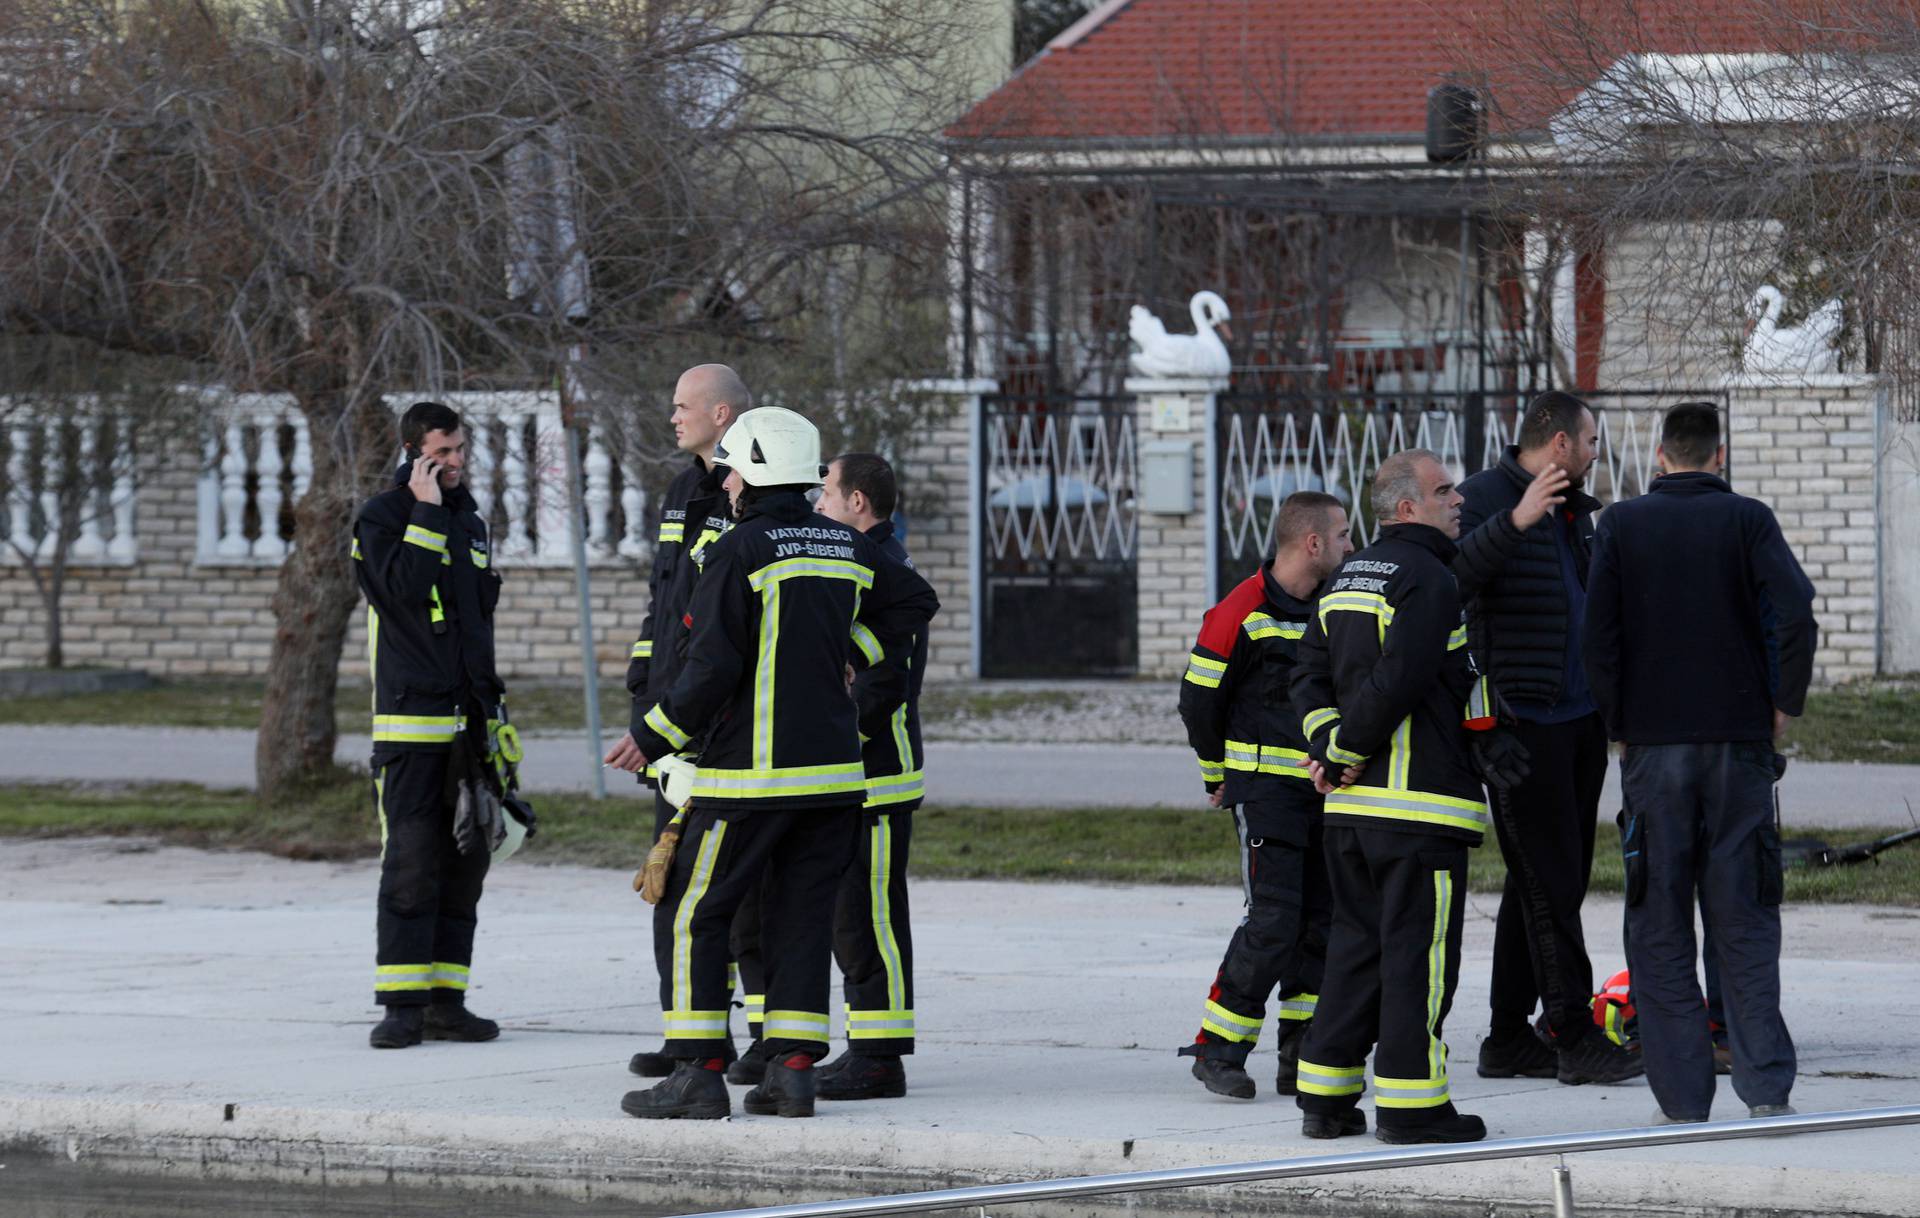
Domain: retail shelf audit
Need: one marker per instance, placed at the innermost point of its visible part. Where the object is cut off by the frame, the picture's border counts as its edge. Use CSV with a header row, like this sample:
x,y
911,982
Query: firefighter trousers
x,y
1393,959
429,892
721,859
749,967
1280,945
872,940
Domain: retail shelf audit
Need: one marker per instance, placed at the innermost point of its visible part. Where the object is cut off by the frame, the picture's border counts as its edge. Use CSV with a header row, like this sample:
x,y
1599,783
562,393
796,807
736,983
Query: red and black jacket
x,y
1234,698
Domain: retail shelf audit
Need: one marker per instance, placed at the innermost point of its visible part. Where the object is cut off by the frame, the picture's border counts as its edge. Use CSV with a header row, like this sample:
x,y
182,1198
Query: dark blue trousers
x,y
1700,825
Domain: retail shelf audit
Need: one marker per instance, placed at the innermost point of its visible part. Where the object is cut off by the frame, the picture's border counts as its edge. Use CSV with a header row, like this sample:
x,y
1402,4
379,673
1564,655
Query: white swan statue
x,y
1805,348
1200,354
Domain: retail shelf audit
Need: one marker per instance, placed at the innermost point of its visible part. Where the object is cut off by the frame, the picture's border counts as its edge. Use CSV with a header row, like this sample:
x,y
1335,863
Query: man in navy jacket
x,y
1692,586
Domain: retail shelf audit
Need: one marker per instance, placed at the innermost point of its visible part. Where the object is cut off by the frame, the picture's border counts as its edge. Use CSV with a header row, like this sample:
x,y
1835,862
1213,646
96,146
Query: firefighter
x,y
693,515
872,938
423,562
1388,695
1253,759
787,601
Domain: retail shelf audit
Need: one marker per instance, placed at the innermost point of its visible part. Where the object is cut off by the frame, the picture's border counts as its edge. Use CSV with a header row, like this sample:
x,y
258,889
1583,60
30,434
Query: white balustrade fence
x,y
258,462
77,465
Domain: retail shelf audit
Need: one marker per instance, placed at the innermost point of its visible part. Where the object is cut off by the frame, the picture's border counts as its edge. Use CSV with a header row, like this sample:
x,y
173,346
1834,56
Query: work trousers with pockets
x,y
429,892
1699,822
1393,959
721,859
1546,828
872,938
1280,946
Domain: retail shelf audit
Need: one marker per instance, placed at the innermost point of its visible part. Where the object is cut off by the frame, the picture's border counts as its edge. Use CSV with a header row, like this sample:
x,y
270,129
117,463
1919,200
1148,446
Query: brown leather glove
x,y
651,880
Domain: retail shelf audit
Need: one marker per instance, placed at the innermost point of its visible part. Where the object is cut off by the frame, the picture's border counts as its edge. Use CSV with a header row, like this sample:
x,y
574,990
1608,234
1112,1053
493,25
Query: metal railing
x,y
1342,1164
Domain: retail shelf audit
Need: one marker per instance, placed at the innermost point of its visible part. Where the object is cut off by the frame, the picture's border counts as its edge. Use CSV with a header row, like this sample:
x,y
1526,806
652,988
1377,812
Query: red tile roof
x,y
1166,69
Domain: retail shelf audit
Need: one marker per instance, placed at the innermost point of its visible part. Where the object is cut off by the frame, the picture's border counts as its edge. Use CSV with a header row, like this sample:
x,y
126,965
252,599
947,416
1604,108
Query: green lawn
x,y
1155,846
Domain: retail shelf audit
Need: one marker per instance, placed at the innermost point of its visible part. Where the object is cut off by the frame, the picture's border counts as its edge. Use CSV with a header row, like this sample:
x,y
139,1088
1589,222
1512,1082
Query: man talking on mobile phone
x,y
422,558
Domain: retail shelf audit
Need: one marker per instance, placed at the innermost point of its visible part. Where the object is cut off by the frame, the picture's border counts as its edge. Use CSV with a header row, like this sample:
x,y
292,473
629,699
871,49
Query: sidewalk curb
x,y
683,1167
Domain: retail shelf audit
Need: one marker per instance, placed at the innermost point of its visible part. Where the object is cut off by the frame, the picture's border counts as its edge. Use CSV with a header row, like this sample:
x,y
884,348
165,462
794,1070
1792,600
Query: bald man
x,y
693,514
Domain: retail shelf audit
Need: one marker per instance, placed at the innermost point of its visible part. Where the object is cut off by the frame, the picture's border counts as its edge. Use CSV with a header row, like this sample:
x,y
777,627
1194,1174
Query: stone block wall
x,y
1808,448
1174,547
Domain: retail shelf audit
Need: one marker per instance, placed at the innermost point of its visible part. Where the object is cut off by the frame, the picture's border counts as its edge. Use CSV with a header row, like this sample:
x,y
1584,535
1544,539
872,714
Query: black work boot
x,y
1334,1124
1519,1055
693,1092
1287,1080
787,1090
452,1021
650,1065
827,1069
398,1028
1452,1127
863,1078
1593,1058
751,1067
1224,1077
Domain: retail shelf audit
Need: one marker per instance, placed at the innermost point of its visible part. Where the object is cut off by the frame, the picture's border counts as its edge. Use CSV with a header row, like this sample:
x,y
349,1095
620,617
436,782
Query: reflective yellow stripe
x,y
795,1025
697,884
880,900
763,678
1457,639
1263,626
356,547
1418,807
1400,755
426,539
1339,755
1230,1025
1409,1092
698,551
673,530
896,1024
887,789
1315,1079
784,781
1317,719
1436,991
1204,671
1300,1006
373,660
868,643
480,558
1267,759
1213,771
438,612
694,1025
1478,714
756,1006
380,807
668,729
1358,602
801,568
643,650
417,729
395,978
450,976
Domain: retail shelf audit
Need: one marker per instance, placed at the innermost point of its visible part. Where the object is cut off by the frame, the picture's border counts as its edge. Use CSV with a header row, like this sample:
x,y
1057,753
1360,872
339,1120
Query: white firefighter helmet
x,y
675,775
772,446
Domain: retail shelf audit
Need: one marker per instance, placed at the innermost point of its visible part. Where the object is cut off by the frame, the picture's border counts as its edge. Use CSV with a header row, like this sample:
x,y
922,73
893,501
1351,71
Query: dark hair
x,y
1691,434
1547,416
1302,513
871,476
423,417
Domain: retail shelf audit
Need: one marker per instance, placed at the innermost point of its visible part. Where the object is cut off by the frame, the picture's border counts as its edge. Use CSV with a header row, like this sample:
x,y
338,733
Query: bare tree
x,y
345,199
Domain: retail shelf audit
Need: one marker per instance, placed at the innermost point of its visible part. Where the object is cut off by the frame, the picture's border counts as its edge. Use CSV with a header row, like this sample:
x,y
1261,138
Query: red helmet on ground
x,y
1613,1009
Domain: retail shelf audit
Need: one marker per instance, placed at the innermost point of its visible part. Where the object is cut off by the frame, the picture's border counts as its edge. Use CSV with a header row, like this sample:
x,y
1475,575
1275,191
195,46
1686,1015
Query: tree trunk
x,y
315,597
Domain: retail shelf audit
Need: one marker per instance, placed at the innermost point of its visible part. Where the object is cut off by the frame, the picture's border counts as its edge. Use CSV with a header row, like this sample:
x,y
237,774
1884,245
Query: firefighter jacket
x,y
428,576
1234,698
887,695
1385,678
693,514
788,599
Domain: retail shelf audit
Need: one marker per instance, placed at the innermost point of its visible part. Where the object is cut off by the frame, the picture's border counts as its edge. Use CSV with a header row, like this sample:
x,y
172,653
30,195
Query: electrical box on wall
x,y
1166,477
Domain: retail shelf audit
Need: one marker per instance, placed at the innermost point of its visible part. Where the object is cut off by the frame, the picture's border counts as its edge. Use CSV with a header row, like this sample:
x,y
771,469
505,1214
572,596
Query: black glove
x,y
1500,760
478,820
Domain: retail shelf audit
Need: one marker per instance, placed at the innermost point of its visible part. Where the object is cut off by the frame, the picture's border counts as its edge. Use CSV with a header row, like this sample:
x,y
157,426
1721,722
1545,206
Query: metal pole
x,y
1562,1191
577,528
1328,1165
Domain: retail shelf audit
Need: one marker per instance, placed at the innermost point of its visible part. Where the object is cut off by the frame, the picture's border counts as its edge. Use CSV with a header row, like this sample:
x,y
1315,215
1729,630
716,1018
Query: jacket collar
x,y
1692,482
788,507
881,533
1578,501
1423,535
459,499
1281,599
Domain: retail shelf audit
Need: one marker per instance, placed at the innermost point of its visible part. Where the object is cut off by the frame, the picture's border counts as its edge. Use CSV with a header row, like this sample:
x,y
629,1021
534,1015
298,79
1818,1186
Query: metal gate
x,y
1271,446
1059,530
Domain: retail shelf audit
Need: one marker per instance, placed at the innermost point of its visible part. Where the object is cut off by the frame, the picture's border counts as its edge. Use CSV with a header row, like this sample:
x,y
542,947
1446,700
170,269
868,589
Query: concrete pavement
x,y
205,1014
970,772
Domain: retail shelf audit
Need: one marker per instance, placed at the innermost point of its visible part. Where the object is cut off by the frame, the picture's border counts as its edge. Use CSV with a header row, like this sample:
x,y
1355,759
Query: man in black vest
x,y
1525,538
1696,598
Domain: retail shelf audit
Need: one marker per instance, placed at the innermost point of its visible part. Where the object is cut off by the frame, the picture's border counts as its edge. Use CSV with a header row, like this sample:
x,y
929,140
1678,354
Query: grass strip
x,y
1105,845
